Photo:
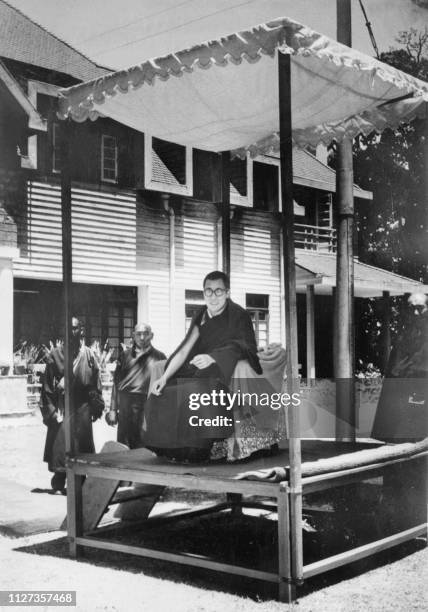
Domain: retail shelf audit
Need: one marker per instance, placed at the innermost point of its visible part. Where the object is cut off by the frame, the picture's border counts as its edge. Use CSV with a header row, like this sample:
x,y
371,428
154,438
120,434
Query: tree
x,y
392,229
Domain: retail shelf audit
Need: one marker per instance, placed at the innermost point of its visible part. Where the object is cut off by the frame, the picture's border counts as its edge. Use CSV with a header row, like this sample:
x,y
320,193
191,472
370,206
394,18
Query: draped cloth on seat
x,y
261,421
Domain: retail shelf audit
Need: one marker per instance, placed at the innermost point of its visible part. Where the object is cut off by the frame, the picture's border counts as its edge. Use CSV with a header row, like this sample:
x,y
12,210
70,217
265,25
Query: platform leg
x,y
235,500
74,511
286,590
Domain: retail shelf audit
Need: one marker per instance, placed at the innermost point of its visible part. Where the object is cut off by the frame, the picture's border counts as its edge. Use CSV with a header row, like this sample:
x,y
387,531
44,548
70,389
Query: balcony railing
x,y
315,238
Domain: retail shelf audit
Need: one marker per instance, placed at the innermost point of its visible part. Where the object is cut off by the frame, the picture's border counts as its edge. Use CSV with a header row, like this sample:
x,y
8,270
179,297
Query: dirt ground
x,y
36,557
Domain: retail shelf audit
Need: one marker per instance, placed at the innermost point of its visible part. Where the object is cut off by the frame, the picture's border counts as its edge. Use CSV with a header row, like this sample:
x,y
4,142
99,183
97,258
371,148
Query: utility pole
x,y
344,294
225,211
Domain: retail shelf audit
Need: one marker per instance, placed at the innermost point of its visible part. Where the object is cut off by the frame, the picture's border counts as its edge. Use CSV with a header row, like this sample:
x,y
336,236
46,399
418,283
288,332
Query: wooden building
x,y
146,223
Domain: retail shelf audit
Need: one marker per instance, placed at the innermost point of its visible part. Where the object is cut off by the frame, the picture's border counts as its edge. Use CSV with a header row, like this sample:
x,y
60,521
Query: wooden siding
x,y
153,263
104,236
124,239
196,252
255,262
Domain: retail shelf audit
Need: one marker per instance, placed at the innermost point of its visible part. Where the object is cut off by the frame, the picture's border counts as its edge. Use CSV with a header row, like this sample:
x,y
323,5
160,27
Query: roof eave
x,y
35,120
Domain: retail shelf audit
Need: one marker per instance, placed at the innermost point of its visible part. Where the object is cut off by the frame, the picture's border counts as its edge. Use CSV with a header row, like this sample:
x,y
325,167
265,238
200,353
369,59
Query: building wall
x,y
103,234
124,236
120,238
255,262
153,265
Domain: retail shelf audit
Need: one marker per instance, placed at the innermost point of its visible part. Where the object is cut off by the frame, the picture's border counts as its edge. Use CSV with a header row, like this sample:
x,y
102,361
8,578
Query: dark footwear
x,y
58,482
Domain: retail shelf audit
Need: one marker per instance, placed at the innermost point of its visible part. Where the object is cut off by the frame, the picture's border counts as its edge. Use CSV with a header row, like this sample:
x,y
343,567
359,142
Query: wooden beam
x,y
67,279
182,558
344,22
225,211
74,511
287,590
368,550
344,336
310,333
286,157
134,474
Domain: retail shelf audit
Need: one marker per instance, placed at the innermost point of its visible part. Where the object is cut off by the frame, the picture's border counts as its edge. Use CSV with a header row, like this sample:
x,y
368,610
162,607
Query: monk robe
x,y
87,404
227,338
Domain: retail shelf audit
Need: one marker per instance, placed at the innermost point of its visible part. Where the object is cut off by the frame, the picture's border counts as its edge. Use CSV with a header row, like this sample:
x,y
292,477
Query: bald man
x,y
131,384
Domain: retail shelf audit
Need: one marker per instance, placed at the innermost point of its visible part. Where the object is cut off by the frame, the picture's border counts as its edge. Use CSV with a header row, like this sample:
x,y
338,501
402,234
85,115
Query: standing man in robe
x,y
131,385
86,402
401,414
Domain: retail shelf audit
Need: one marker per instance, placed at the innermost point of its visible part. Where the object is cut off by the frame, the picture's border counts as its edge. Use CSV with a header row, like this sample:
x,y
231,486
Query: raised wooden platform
x,y
141,466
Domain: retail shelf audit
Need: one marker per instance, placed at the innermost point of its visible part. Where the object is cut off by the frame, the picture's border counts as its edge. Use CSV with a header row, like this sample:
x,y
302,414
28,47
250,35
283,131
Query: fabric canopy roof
x,y
223,95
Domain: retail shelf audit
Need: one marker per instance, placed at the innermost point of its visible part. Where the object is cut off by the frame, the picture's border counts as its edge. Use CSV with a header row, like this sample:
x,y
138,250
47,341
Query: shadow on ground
x,y
208,537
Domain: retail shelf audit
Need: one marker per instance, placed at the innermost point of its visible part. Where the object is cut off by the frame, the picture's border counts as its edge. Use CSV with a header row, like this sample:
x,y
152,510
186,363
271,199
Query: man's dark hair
x,y
217,275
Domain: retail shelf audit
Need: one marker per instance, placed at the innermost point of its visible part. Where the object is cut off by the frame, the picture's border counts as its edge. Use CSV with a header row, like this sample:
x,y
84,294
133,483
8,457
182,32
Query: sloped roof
x,y
23,40
319,269
309,171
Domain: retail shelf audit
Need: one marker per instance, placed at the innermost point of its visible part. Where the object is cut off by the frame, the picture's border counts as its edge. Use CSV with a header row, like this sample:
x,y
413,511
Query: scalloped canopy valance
x,y
223,94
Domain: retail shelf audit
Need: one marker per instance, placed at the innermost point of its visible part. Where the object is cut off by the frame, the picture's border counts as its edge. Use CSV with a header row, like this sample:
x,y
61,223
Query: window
x,y
324,210
266,186
241,182
56,148
108,159
106,312
194,300
168,166
257,306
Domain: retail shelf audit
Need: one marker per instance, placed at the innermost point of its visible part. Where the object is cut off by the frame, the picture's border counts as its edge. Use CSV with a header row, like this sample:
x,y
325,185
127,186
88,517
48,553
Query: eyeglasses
x,y
217,292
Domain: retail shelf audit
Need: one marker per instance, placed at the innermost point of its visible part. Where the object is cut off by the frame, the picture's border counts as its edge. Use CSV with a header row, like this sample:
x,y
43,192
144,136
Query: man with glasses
x,y
221,333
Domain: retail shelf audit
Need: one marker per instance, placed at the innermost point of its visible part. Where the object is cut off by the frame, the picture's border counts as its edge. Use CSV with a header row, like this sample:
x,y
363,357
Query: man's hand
x,y
202,361
159,385
111,417
55,417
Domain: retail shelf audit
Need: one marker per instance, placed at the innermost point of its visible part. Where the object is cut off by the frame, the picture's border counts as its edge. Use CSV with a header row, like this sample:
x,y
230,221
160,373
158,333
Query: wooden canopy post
x,y
286,157
225,211
67,272
344,307
74,481
310,333
426,154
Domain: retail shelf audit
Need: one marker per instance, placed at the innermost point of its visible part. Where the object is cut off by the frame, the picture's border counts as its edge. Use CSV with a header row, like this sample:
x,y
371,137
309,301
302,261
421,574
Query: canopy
x,y
223,94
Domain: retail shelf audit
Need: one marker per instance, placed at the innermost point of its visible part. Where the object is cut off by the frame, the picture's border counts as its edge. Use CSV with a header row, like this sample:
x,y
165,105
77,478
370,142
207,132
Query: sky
x,y
121,33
